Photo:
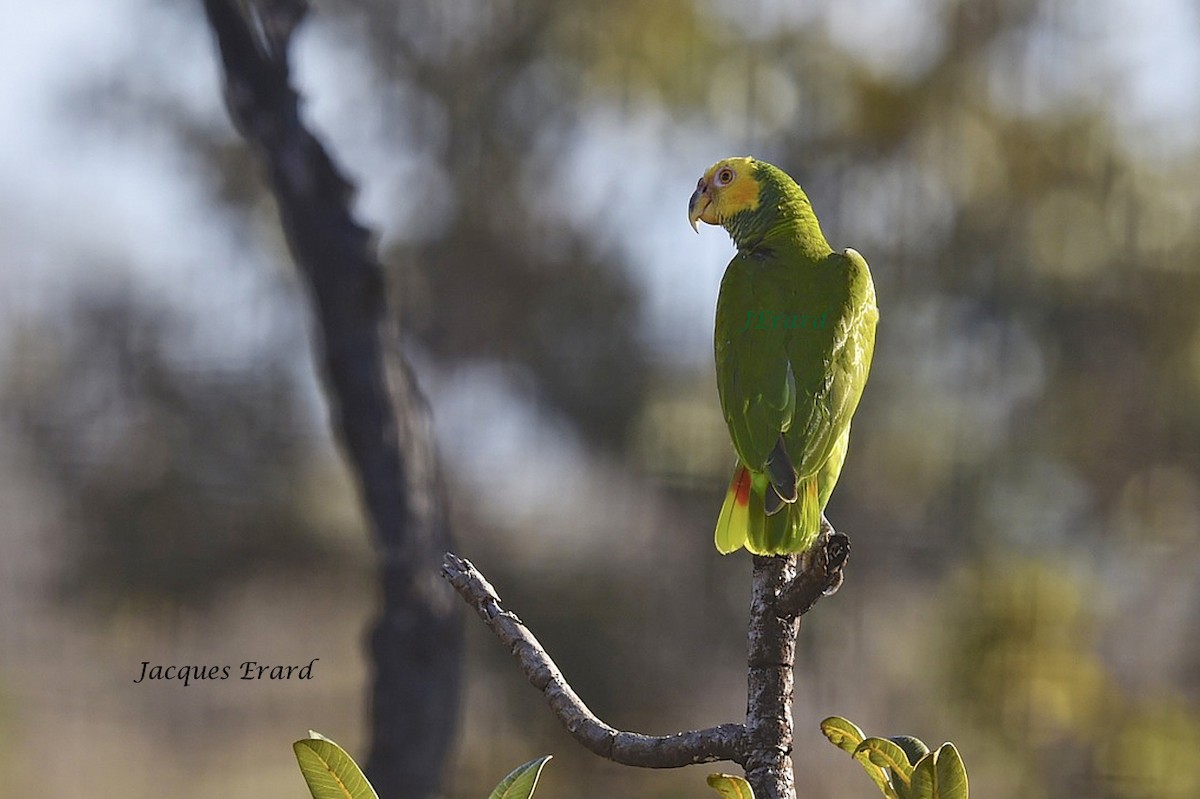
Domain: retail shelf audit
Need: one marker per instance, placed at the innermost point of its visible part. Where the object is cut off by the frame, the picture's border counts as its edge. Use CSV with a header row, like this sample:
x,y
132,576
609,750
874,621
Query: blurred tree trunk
x,y
381,419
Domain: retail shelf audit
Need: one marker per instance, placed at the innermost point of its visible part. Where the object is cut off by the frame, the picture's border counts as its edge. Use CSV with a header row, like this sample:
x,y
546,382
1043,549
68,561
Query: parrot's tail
x,y
744,523
733,525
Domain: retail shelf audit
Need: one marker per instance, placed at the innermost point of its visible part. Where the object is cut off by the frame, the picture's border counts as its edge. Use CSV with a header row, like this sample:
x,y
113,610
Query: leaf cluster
x,y
331,773
902,767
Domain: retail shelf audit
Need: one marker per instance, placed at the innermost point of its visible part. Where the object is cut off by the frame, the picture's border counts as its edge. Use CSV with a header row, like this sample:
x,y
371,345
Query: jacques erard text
x,y
247,670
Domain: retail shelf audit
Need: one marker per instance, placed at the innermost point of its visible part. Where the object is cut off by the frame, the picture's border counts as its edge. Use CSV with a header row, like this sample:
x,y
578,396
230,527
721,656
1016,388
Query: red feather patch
x,y
742,489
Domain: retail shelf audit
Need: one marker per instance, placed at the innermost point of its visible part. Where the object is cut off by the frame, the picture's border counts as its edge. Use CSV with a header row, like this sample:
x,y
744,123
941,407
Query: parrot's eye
x,y
724,176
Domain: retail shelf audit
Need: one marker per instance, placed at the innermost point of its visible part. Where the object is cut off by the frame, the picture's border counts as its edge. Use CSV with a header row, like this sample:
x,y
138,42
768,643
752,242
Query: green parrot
x,y
795,331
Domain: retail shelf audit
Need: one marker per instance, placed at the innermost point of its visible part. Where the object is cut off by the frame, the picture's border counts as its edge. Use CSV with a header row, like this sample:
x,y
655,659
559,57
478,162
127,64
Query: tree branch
x,y
381,418
771,652
784,588
629,748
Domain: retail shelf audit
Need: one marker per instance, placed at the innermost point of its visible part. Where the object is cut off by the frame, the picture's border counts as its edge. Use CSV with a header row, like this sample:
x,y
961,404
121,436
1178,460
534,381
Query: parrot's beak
x,y
698,205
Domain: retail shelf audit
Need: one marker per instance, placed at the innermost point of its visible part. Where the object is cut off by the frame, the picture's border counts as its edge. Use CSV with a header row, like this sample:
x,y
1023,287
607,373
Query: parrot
x,y
793,340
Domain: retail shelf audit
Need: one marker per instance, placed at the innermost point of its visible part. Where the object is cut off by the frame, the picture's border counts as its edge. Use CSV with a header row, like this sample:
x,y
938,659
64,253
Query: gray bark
x,y
771,652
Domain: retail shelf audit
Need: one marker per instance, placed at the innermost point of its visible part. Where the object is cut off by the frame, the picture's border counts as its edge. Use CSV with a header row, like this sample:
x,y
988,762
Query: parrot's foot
x,y
837,552
819,571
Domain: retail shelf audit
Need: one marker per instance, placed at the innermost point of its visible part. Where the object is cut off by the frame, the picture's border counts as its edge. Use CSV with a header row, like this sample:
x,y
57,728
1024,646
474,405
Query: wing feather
x,y
830,376
802,379
753,375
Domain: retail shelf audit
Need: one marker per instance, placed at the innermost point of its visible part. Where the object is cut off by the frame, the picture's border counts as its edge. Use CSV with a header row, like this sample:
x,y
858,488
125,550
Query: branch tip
x,y
725,742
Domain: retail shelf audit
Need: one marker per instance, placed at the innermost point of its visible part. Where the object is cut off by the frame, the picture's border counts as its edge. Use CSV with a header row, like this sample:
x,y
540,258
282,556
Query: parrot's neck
x,y
784,218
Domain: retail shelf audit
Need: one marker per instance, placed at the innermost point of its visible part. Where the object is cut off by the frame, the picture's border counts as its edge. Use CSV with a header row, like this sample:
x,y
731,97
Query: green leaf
x,y
951,773
902,767
521,781
940,775
879,776
842,733
329,771
845,735
915,748
883,752
730,786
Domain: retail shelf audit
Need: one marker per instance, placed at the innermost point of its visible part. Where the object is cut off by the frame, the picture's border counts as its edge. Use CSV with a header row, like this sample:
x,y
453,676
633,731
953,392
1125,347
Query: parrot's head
x,y
728,187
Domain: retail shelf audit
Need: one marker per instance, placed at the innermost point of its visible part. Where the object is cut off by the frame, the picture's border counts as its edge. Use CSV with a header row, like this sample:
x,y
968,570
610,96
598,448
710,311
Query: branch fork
x,y
784,588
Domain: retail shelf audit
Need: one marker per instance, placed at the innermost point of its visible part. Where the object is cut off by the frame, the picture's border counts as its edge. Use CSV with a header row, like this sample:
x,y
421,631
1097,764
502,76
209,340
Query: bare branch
x,y
628,748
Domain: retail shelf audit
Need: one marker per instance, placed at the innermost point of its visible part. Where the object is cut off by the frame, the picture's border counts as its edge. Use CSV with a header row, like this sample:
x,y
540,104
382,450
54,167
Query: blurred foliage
x,y
1148,751
493,280
1023,489
1019,641
174,483
1020,649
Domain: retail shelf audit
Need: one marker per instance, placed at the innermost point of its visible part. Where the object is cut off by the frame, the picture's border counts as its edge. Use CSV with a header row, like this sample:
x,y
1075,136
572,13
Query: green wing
x,y
831,369
805,378
753,375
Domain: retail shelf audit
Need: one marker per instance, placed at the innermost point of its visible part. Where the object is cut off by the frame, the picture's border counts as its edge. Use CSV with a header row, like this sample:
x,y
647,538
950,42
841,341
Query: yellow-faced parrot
x,y
795,331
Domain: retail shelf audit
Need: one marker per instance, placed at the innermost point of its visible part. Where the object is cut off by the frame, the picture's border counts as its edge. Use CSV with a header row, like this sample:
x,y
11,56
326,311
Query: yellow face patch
x,y
731,187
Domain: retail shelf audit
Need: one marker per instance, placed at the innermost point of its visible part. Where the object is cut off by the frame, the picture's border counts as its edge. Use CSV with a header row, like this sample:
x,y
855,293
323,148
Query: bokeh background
x,y
1023,487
